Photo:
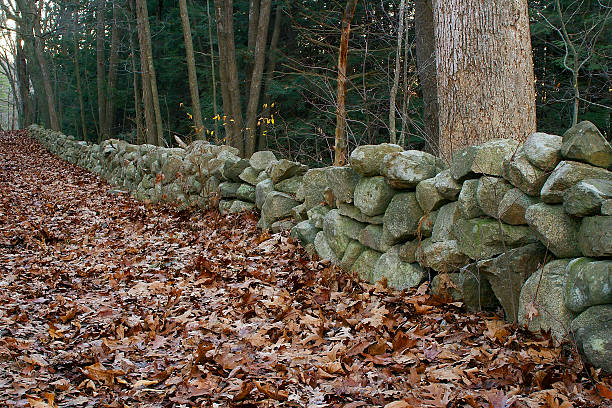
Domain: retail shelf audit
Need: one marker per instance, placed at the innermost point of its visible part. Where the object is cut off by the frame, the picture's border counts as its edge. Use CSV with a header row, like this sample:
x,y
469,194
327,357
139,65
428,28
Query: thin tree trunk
x,y
140,136
100,72
406,98
340,147
212,69
152,76
44,68
23,77
426,70
396,76
256,79
223,75
191,70
485,75
112,72
263,139
77,72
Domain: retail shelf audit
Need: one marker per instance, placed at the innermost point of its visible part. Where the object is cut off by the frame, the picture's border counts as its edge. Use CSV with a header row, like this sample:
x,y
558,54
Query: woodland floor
x,y
109,302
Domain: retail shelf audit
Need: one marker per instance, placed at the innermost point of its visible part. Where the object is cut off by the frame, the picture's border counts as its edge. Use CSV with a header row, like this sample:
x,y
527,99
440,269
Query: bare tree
x,y
193,78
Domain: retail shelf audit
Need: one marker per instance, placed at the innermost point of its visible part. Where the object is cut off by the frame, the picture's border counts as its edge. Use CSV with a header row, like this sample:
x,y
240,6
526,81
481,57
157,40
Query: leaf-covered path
x,y
105,301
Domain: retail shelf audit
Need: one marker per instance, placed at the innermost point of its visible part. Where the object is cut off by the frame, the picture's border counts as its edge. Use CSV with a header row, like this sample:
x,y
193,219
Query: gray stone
x,y
317,214
240,206
442,256
490,192
366,159
305,232
372,195
260,160
262,189
467,286
277,206
555,229
400,275
467,202
323,249
586,197
315,184
426,224
299,213
543,150
282,225
508,272
585,143
606,207
483,238
488,158
283,169
461,166
249,175
541,305
336,224
446,185
342,181
588,283
372,237
364,265
232,170
513,206
289,186
428,196
228,189
593,334
171,168
402,217
595,236
565,175
407,251
351,254
407,169
225,205
443,225
353,212
524,175
246,192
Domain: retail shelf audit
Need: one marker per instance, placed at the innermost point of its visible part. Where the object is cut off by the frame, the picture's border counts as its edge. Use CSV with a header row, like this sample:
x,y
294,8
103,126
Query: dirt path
x,y
107,302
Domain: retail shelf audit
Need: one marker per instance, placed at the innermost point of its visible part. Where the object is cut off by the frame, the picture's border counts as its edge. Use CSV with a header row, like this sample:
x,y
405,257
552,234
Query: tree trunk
x,y
256,79
212,69
223,75
77,72
44,68
254,7
396,76
23,78
485,76
340,147
100,72
426,69
191,70
140,136
111,84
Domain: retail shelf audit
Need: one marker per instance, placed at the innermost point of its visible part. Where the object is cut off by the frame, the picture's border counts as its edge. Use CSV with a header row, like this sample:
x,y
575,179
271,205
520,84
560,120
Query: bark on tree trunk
x,y
109,114
340,147
426,69
485,72
23,77
223,76
100,72
212,69
150,124
191,70
396,76
256,79
140,136
77,72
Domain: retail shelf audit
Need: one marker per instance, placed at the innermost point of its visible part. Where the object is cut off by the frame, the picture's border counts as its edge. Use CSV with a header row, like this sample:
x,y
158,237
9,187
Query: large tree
x,y
485,81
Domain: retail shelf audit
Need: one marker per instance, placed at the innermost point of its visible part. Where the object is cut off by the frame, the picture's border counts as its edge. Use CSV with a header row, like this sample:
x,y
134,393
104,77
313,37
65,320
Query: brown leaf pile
x,y
107,302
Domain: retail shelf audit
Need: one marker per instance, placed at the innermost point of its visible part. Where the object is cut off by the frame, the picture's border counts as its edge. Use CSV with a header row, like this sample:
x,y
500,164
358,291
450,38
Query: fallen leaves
x,y
105,301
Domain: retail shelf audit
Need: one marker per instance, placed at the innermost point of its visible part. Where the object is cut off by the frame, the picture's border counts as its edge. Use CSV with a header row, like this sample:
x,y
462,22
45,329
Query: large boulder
x,y
489,194
366,159
228,189
314,185
468,286
246,192
289,186
541,305
446,185
336,224
508,272
513,206
240,206
588,283
566,175
555,229
467,202
483,238
305,232
342,181
402,217
262,189
524,175
232,170
400,275
586,197
406,169
488,159
323,249
353,250
428,196
276,207
261,160
442,256
372,195
249,175
283,169
364,265
593,334
443,225
353,212
585,143
595,236
317,214
372,236
171,168
543,150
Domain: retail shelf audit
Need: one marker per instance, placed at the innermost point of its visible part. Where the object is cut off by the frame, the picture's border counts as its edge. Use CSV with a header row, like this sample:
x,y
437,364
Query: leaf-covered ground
x,y
108,302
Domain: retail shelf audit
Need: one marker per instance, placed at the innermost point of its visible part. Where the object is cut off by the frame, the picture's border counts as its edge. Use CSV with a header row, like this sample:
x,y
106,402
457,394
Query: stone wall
x,y
525,226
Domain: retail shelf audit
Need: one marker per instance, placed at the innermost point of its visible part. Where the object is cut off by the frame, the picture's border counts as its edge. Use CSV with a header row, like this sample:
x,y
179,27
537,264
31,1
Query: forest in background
x,y
96,54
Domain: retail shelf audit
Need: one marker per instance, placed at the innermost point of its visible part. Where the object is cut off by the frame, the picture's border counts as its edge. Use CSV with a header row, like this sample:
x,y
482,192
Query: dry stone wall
x,y
525,226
